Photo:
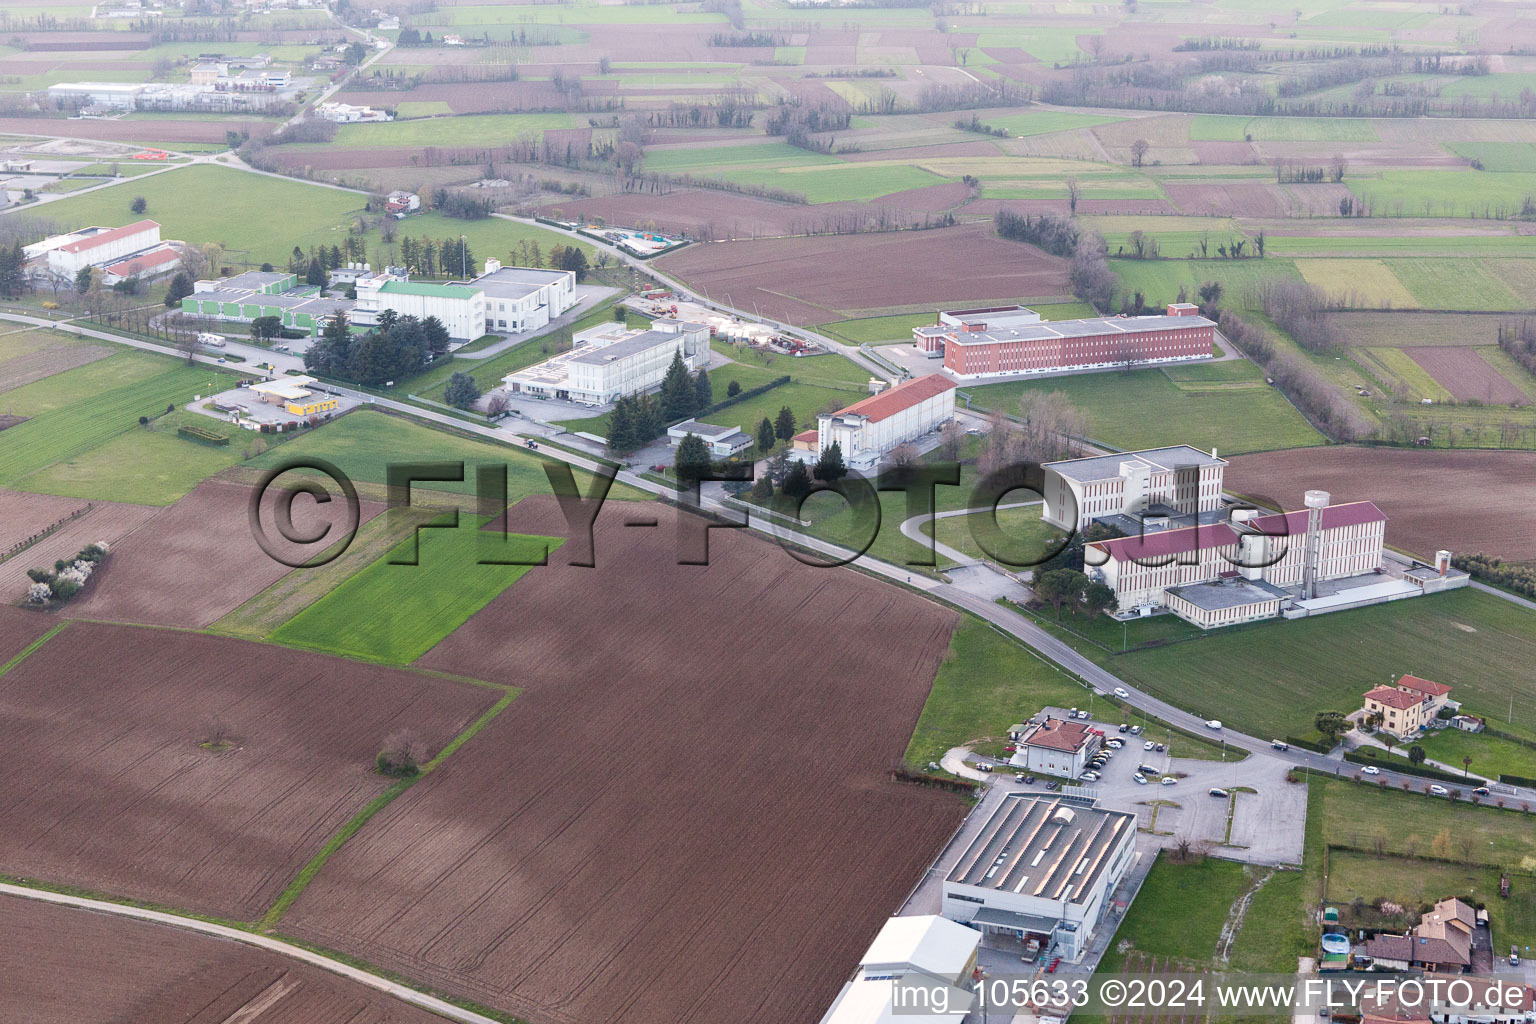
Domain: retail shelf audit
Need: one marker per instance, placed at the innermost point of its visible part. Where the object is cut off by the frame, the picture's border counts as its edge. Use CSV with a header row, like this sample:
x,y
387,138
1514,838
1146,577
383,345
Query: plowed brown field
x,y
110,787
1467,375
24,515
193,563
685,818
1462,500
817,279
107,520
65,966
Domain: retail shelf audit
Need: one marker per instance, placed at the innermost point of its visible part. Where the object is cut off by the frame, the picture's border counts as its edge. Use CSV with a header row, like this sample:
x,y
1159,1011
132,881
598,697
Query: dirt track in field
x,y
196,561
1467,375
65,966
685,818
818,279
111,789
108,521
1465,501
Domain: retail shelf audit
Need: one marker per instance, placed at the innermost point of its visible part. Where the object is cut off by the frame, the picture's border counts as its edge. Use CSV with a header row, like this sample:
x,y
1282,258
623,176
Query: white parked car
x,y
1141,780
1439,791
1089,776
1169,780
1121,692
1148,745
1370,769
1214,723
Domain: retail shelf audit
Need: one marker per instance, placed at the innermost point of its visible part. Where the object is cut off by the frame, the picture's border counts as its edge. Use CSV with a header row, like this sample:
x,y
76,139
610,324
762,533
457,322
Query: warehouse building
x,y
609,362
871,427
1041,872
460,308
245,297
1013,340
723,441
67,255
1183,478
505,300
924,948
519,299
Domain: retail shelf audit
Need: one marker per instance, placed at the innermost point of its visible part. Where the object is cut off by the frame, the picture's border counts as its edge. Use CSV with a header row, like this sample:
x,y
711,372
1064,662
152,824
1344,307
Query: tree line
x,y
637,420
398,347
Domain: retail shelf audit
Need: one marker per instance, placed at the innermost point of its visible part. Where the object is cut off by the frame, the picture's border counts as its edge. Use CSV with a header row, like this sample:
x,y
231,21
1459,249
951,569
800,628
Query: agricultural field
x,y
551,860
937,267
399,607
1144,408
135,785
1292,670
30,355
55,974
1421,492
1160,280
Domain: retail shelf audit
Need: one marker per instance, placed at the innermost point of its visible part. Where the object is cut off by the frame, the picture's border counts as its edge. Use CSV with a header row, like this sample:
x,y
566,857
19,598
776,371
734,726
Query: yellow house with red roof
x,y
1407,706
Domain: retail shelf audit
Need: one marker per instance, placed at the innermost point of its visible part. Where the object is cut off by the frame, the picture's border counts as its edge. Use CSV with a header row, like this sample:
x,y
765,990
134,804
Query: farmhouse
x,y
1441,941
1182,479
1407,707
927,947
1042,869
723,441
1012,340
609,362
871,427
1055,747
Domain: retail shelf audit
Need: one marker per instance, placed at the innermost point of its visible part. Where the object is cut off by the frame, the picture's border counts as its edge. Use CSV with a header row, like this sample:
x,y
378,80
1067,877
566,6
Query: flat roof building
x,y
609,362
1042,868
926,947
1003,341
68,254
723,441
1078,491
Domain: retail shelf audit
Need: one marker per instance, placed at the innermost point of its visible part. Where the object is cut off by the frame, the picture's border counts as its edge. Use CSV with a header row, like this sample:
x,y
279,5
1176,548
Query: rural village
x,y
825,511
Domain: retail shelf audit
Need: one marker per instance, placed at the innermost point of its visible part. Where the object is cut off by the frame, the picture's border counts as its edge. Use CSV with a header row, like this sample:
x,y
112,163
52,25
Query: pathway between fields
x,y
402,992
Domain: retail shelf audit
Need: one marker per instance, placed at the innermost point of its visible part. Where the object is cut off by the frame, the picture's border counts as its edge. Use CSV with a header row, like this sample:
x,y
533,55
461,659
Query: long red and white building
x,y
95,247
871,427
1009,341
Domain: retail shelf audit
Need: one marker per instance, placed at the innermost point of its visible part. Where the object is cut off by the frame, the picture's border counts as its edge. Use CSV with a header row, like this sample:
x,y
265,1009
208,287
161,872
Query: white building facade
x,y
93,247
870,428
461,308
520,299
1056,747
1078,491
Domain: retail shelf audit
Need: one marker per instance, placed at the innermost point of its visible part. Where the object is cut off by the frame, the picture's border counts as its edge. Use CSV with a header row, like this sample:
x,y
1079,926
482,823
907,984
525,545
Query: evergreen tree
x,y
732,389
429,258
13,279
829,467
180,287
332,258
575,261
437,336
648,419
703,391
621,427
316,273
83,280
766,438
462,392
692,460
677,394
296,261
797,484
784,426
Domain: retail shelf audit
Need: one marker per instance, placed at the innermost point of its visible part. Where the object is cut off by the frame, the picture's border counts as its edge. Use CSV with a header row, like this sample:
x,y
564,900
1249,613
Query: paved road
x,y
271,945
981,604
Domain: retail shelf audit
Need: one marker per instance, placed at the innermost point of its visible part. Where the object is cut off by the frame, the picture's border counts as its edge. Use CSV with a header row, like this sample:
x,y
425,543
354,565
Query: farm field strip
x,y
1467,376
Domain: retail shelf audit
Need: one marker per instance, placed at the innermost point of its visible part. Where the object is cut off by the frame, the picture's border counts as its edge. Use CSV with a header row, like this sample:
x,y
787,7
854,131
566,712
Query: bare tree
x,y
951,439
901,460
1338,166
1074,193
497,405
403,754
1139,152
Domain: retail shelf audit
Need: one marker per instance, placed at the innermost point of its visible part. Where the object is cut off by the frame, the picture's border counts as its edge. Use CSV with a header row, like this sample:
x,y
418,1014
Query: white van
x,y
211,340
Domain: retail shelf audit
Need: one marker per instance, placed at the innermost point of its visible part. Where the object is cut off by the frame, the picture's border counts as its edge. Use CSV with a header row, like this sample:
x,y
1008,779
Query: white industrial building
x,y
1055,746
519,299
1183,478
1041,872
610,361
926,948
871,427
723,442
66,255
506,300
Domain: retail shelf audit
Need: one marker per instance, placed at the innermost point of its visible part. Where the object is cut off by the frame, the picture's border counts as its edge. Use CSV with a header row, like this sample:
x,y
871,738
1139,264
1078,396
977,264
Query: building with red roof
x,y
154,263
1406,707
98,246
1231,570
871,427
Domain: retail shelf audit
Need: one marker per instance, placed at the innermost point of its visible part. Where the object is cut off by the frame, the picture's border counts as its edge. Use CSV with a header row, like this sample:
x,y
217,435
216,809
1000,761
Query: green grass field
x,y
56,450
1289,671
1179,912
1491,756
1159,280
395,613
464,130
365,443
1144,408
1472,284
144,466
1437,193
1412,882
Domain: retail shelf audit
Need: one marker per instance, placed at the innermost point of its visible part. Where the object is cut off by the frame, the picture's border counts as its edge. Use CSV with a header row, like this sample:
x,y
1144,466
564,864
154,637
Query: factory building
x,y
460,308
1009,341
1041,872
609,362
1180,478
871,427
925,948
67,255
245,297
502,300
519,299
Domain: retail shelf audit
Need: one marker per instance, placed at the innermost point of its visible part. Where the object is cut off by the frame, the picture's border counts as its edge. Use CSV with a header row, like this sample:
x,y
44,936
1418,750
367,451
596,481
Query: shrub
x,y
402,755
39,593
40,575
64,589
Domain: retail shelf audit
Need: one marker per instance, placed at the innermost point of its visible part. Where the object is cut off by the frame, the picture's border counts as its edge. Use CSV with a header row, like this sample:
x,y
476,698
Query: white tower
x,y
1315,501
